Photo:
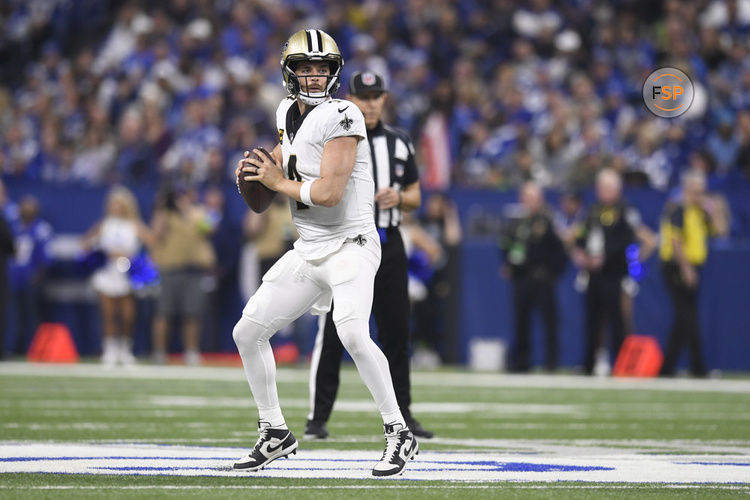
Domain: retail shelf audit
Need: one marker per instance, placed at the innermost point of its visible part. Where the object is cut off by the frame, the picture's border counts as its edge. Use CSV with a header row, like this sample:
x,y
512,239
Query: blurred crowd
x,y
496,92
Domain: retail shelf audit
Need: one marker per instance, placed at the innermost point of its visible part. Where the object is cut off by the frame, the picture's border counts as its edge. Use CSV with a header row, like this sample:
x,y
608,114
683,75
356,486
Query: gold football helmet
x,y
311,45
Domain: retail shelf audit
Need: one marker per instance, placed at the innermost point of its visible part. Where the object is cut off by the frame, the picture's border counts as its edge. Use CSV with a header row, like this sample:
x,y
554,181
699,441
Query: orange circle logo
x,y
668,92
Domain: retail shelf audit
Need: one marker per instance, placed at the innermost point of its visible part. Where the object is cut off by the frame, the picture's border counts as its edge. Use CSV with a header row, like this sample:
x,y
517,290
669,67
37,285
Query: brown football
x,y
257,196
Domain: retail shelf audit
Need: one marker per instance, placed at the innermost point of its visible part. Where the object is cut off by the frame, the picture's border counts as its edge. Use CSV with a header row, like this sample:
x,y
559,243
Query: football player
x,y
322,163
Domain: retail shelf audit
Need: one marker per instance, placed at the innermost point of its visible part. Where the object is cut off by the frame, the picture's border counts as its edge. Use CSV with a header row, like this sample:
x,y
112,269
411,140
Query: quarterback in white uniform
x,y
322,163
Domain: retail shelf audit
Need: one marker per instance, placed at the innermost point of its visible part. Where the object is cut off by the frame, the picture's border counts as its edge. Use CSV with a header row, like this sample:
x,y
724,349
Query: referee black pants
x,y
391,310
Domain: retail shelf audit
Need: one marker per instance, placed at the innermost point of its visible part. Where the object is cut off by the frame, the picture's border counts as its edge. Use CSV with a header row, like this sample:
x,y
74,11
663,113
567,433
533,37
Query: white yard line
x,y
511,485
368,406
437,379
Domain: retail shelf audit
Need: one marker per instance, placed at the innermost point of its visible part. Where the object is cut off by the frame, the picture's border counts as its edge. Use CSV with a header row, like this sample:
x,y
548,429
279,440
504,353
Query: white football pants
x,y
292,287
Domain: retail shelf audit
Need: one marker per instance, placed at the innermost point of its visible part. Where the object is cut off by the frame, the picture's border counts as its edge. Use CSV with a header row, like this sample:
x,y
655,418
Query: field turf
x,y
511,436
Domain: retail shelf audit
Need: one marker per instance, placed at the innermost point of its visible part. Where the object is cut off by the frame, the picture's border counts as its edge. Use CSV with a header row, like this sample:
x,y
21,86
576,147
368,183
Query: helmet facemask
x,y
312,98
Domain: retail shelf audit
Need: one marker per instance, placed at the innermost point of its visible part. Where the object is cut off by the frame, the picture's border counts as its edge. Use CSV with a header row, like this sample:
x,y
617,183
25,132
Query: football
x,y
257,196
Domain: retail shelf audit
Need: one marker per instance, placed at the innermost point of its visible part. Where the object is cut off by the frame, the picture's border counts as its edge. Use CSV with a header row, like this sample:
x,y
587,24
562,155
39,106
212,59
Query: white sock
x,y
273,416
394,417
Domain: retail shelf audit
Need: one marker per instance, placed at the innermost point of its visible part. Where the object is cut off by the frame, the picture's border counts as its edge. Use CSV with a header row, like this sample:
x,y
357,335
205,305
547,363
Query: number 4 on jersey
x,y
294,175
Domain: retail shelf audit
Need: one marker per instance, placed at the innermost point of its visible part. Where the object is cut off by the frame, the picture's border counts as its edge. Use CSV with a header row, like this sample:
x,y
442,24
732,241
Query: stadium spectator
x,y
723,143
424,253
743,155
569,216
119,235
27,269
646,162
686,227
187,160
135,158
7,248
182,250
8,208
94,160
534,257
226,234
581,76
249,265
437,315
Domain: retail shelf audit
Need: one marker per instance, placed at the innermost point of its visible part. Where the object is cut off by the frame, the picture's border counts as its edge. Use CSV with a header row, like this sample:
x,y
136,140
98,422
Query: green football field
x,y
82,431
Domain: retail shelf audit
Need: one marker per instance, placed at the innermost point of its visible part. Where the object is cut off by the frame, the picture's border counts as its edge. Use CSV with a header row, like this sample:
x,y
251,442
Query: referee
x,y
396,188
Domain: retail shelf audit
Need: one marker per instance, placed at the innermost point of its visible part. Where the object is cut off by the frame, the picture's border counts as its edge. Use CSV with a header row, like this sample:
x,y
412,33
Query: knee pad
x,y
247,331
256,309
354,334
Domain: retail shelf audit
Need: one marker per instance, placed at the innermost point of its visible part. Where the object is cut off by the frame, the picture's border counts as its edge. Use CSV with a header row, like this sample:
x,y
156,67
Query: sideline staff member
x,y
611,226
396,188
685,228
534,259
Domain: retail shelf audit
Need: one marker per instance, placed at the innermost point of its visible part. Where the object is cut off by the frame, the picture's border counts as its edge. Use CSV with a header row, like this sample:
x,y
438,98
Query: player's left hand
x,y
262,169
387,197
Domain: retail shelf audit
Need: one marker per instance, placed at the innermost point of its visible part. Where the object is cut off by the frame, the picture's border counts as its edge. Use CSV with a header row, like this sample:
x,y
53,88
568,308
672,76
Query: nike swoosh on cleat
x,y
271,449
406,453
342,110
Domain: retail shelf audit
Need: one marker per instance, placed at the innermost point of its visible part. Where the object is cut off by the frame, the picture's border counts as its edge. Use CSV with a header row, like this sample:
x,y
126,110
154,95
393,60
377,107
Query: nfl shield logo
x,y
368,79
399,170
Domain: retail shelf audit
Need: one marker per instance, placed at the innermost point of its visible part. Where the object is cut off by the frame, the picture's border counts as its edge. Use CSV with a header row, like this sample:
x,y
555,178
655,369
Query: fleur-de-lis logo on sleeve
x,y
346,123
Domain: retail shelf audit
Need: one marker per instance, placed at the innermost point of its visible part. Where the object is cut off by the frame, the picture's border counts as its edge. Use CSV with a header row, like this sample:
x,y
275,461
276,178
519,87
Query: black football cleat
x,y
416,428
315,430
273,443
400,447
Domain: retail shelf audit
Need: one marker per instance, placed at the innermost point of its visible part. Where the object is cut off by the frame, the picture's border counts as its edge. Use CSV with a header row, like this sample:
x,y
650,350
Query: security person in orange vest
x,y
686,227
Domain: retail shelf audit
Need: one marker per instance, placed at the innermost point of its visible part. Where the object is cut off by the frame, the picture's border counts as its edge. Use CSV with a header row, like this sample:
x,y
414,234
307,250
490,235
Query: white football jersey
x,y
322,230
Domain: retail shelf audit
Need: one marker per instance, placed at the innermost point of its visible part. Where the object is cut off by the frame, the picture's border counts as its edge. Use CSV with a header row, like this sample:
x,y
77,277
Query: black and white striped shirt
x,y
394,165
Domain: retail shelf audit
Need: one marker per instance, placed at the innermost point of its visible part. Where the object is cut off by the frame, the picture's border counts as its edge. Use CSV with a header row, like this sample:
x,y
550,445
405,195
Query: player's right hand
x,y
241,164
263,168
